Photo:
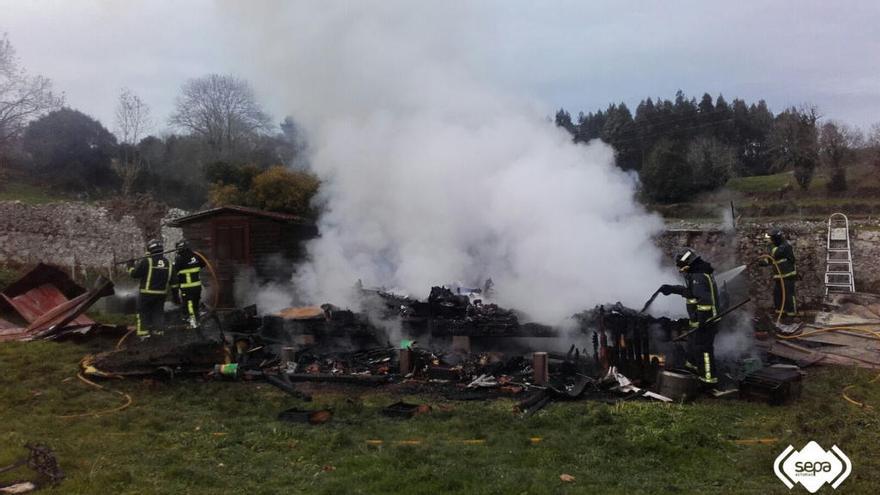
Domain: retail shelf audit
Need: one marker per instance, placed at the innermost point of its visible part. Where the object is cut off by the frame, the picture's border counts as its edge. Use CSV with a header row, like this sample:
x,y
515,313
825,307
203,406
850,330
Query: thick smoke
x,y
433,174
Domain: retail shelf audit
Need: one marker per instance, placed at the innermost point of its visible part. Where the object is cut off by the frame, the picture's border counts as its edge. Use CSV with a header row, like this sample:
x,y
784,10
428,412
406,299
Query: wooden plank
x,y
840,338
866,356
803,355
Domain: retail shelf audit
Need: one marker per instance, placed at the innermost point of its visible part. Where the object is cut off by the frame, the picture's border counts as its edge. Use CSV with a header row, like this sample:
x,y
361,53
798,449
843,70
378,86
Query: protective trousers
x,y
701,353
789,306
190,298
150,314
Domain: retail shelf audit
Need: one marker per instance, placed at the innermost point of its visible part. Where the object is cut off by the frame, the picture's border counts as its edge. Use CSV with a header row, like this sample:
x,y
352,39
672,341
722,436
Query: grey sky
x,y
576,54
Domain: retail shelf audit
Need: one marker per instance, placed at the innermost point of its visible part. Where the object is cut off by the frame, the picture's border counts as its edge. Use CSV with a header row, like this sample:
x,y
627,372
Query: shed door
x,y
232,243
232,251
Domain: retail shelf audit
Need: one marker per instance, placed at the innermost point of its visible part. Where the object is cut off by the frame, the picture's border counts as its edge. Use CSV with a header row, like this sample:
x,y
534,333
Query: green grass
x,y
773,183
192,436
111,318
9,275
761,183
28,193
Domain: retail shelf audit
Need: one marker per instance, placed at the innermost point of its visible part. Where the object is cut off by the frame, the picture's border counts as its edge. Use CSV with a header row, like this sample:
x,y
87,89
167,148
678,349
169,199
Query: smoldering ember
x,y
414,247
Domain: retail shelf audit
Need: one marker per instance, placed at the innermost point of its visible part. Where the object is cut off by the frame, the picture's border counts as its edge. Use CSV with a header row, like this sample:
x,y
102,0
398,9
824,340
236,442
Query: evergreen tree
x,y
666,176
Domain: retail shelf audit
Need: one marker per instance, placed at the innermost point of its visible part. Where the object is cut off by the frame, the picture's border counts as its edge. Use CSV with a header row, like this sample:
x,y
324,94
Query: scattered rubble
x,y
848,334
634,355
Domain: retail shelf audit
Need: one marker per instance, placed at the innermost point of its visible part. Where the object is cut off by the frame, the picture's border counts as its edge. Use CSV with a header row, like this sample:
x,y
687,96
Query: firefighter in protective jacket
x,y
186,282
784,273
154,272
701,294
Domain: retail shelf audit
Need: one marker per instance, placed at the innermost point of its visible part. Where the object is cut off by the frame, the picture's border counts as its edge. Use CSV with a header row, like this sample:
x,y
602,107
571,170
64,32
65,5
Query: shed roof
x,y
241,210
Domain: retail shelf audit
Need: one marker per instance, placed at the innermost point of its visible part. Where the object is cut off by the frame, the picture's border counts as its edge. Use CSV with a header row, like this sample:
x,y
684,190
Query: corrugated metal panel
x,y
50,302
40,300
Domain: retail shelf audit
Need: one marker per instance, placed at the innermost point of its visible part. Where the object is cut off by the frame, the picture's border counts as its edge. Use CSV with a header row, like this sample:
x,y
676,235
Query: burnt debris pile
x,y
452,343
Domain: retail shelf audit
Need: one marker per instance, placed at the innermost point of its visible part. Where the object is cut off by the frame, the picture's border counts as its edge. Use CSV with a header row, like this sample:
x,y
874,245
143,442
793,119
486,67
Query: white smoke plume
x,y
434,173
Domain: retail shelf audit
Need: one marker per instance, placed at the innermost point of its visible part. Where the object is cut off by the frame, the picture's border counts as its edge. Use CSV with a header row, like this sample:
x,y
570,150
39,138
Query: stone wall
x,y
86,236
66,234
727,247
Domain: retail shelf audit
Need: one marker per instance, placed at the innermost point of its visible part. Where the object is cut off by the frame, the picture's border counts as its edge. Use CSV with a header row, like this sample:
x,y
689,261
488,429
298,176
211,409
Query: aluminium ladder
x,y
838,267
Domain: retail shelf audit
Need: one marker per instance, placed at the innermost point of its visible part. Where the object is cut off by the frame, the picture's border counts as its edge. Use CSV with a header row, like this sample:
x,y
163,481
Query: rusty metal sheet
x,y
50,302
40,300
29,297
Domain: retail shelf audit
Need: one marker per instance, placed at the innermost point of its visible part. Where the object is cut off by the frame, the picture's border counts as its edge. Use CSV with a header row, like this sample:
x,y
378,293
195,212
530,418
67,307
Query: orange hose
x,y
214,278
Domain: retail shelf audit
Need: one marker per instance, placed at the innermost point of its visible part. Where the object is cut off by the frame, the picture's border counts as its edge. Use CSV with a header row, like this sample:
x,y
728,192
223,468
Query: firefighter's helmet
x,y
685,258
155,246
774,235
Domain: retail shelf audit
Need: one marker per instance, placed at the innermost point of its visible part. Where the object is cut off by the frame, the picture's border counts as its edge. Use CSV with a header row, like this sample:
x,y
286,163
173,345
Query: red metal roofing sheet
x,y
40,300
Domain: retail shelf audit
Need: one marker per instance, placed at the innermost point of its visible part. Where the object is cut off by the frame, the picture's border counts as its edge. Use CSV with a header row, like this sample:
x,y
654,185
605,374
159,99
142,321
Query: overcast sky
x,y
574,54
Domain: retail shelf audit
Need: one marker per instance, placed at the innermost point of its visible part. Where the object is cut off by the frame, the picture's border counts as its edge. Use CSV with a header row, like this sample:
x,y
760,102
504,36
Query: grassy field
x,y
194,436
15,190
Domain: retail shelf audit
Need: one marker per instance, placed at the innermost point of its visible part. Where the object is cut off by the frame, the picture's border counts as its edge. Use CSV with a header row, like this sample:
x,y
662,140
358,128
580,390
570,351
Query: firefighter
x,y
701,294
186,282
154,272
784,273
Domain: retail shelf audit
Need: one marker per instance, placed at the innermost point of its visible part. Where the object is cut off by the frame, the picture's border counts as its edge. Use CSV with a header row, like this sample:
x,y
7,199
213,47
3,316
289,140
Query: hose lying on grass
x,y
873,333
128,400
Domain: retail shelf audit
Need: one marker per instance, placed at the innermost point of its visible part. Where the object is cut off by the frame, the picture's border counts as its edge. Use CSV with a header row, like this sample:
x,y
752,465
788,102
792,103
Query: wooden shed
x,y
234,238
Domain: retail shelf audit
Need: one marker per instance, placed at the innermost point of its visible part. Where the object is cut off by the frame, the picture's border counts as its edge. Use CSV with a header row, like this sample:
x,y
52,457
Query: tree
x,y
711,162
226,173
706,107
618,131
280,189
72,150
563,119
837,143
294,146
23,98
873,144
274,189
222,110
666,176
132,122
794,144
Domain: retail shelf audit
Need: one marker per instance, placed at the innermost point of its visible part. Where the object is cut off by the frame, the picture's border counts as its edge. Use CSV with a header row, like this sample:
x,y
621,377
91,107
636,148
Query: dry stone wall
x,y
81,235
66,234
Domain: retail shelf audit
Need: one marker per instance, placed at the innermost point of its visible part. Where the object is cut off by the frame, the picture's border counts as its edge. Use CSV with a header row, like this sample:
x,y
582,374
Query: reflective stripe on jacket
x,y
783,255
187,271
154,273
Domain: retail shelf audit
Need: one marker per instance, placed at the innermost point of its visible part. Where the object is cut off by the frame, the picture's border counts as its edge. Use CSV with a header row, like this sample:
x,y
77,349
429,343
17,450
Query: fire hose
x,y
711,320
875,334
781,283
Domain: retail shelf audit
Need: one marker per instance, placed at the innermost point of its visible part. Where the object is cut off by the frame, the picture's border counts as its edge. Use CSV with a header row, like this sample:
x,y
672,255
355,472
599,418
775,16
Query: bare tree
x,y
873,143
22,97
132,123
222,110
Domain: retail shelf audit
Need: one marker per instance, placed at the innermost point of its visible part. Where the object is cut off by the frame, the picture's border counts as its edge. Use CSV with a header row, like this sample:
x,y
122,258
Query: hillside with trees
x,y
222,146
684,148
